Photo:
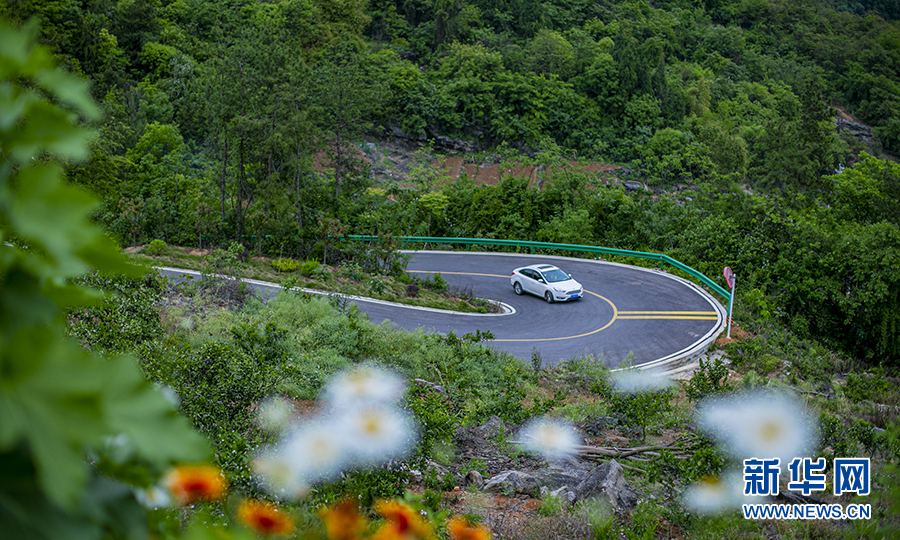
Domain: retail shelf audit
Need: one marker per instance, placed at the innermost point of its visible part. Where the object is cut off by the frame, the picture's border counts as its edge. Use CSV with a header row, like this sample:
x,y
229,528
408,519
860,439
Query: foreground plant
x,y
57,402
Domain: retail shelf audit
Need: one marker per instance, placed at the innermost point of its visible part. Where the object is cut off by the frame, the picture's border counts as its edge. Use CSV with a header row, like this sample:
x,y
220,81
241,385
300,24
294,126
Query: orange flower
x,y
342,521
460,529
403,522
192,483
265,518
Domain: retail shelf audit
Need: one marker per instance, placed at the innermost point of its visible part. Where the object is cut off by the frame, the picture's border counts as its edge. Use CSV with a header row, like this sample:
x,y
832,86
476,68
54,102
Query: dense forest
x,y
243,120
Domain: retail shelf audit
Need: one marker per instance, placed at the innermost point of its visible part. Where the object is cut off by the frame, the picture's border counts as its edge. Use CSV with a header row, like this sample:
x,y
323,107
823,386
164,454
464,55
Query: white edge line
x,y
507,309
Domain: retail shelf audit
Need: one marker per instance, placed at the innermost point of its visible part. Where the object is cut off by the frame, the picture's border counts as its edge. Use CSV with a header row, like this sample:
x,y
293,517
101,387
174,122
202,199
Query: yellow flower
x,y
403,522
265,518
192,483
461,529
342,521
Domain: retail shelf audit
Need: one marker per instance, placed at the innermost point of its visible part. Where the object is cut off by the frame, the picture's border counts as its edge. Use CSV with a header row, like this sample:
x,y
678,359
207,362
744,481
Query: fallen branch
x,y
619,453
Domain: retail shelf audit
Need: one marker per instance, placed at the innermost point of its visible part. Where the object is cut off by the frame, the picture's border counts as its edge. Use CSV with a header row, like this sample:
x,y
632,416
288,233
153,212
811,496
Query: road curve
x,y
659,319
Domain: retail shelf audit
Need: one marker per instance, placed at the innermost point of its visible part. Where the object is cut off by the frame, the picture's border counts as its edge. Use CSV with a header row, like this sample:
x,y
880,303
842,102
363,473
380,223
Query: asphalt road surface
x,y
652,315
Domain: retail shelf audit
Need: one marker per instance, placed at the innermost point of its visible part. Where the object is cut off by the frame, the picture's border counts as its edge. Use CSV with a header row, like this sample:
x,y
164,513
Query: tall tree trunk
x,y
224,178
337,170
241,171
297,190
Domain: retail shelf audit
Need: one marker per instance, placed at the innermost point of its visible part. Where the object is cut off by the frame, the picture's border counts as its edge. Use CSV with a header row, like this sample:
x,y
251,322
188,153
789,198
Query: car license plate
x,y
574,296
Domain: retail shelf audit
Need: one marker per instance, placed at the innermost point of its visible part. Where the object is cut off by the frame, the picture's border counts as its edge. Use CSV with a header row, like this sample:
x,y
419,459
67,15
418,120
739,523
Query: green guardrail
x,y
469,242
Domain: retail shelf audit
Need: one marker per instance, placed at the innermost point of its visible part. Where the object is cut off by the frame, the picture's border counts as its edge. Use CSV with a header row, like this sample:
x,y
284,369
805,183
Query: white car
x,y
546,281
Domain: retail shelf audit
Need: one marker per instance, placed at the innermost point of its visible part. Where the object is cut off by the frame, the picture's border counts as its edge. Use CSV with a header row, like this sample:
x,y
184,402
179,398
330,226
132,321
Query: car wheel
x,y
517,288
548,297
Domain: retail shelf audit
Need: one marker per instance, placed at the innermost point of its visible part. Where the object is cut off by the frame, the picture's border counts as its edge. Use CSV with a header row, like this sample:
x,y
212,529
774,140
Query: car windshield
x,y
555,276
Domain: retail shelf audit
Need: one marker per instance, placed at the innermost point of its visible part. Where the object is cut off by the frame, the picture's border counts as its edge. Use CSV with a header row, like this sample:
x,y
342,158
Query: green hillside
x,y
755,134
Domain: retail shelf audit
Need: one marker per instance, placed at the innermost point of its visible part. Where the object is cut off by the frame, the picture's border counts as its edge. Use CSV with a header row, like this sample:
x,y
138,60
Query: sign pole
x,y
731,305
729,279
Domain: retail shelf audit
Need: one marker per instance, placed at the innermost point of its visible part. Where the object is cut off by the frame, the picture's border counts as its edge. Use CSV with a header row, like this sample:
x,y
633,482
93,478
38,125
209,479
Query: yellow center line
x,y
667,312
672,315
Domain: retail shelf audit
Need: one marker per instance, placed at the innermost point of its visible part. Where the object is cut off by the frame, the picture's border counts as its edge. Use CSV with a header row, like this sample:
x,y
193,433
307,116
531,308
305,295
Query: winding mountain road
x,y
657,318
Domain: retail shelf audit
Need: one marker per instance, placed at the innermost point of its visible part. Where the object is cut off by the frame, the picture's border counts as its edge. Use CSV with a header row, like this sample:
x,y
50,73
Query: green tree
x,y
347,97
434,203
549,53
634,77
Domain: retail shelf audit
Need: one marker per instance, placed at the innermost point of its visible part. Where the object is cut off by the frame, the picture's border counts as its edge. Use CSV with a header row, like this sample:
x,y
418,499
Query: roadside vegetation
x,y
346,277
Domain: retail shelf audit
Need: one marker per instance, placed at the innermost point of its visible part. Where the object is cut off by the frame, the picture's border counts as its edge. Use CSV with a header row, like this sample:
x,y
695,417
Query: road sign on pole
x,y
729,279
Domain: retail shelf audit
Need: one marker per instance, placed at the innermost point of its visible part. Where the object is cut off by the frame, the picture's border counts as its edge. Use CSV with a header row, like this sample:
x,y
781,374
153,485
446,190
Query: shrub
x,y
866,387
412,290
156,248
439,284
224,262
309,267
352,270
551,506
378,284
237,250
710,378
285,265
437,415
126,317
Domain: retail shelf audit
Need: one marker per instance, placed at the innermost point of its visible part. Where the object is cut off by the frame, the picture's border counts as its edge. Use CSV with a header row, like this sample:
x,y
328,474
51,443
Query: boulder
x,y
556,477
474,478
566,495
493,428
607,481
513,482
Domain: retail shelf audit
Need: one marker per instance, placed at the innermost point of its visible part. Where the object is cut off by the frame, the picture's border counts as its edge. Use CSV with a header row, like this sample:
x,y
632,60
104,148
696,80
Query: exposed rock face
x,y
576,482
456,145
863,133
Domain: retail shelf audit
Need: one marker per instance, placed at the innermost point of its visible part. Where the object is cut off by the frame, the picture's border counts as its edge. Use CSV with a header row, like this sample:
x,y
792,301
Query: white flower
x,y
361,386
279,477
551,438
316,450
716,494
760,425
153,497
309,453
275,413
635,380
377,433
